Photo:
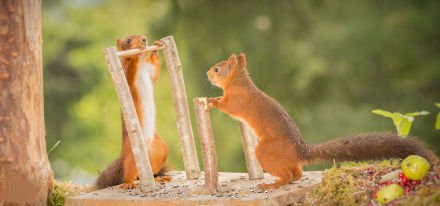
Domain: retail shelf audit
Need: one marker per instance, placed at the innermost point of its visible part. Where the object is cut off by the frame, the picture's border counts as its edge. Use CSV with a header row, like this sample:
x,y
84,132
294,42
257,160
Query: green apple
x,y
389,193
415,167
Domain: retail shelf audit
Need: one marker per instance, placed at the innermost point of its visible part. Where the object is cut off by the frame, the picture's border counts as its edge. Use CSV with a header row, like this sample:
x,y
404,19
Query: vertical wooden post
x,y
129,115
250,141
207,142
25,174
186,136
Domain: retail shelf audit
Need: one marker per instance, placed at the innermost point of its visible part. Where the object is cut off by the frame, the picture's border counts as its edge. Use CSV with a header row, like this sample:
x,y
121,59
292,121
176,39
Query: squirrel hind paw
x,y
162,179
128,186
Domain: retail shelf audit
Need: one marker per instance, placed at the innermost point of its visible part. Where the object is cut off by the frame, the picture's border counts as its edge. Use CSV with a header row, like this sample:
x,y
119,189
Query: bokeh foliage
x,y
328,62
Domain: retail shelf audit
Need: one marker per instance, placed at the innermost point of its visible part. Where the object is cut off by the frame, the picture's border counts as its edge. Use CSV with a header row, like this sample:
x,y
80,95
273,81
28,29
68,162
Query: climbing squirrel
x,y
141,72
281,149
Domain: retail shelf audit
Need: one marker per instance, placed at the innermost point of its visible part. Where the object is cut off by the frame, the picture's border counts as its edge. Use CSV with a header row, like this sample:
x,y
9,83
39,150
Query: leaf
x,y
401,122
382,113
437,104
404,128
437,122
414,114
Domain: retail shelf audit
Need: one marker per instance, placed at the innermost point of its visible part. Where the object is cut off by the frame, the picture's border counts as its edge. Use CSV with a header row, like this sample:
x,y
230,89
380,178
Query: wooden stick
x,y
138,51
134,131
208,144
186,136
250,141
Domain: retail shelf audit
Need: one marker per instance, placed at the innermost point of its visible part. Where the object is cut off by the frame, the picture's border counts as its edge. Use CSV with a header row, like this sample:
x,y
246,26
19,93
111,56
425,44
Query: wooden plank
x,y
132,125
206,136
189,153
250,141
138,51
234,189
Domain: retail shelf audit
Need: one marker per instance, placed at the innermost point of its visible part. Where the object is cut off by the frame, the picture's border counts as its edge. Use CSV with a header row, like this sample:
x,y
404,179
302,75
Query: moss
x,y
62,190
353,184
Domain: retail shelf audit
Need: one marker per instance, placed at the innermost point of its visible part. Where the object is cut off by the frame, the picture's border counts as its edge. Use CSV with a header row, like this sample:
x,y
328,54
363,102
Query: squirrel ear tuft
x,y
119,44
232,61
242,60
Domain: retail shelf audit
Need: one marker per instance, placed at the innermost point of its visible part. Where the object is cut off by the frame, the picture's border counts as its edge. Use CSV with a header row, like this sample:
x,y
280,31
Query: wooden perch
x,y
250,141
208,144
129,115
183,120
138,51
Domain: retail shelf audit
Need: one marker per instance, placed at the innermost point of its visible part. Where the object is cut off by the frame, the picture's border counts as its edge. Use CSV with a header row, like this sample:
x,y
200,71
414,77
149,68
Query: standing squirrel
x,y
281,149
141,71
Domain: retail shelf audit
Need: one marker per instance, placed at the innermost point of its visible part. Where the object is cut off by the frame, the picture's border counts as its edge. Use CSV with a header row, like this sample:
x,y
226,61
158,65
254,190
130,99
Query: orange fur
x,y
157,149
281,149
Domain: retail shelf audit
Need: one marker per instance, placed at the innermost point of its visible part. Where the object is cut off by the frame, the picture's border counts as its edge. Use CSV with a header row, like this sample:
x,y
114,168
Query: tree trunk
x,y
25,174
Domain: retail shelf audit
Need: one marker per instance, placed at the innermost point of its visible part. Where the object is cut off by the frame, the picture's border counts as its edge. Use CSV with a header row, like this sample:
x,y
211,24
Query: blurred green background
x,y
329,63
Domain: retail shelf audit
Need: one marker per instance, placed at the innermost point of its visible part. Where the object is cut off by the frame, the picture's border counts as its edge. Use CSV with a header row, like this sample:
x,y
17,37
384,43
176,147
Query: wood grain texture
x,y
234,189
26,177
189,153
207,141
250,141
131,121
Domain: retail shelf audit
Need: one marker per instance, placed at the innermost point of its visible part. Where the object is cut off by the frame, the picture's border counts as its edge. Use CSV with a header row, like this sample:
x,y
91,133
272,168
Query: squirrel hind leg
x,y
297,172
284,177
283,174
278,183
129,171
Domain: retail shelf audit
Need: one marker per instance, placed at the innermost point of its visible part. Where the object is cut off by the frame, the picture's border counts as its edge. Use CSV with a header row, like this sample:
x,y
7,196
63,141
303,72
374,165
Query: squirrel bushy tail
x,y
369,146
112,175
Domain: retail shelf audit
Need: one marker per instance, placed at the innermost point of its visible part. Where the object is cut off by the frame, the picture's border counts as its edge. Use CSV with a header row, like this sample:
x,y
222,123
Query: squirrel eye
x,y
144,40
216,69
128,41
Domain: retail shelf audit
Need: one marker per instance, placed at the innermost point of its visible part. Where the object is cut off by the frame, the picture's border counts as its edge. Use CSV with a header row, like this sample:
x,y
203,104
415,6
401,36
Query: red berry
x,y
407,189
374,195
388,182
401,175
404,181
414,182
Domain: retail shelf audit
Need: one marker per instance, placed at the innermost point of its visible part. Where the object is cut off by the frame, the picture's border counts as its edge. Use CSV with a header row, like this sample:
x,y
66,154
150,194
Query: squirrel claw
x,y
128,186
158,43
213,101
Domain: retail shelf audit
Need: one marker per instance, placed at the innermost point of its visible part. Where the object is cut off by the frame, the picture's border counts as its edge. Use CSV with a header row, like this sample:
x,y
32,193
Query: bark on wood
x,y
207,142
186,136
129,115
250,141
25,174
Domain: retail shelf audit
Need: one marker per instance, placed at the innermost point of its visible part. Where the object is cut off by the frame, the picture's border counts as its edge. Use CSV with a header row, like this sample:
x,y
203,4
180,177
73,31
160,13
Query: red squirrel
x,y
141,72
281,149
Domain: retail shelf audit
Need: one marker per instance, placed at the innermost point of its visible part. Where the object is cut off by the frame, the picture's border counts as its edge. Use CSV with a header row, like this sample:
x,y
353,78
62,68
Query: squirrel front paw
x,y
158,44
214,101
